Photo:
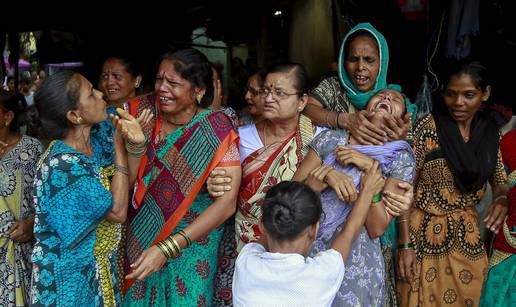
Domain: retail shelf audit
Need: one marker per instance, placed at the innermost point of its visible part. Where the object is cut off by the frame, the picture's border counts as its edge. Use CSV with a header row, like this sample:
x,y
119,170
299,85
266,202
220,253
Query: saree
x,y
500,286
17,169
364,279
168,196
450,257
264,168
75,251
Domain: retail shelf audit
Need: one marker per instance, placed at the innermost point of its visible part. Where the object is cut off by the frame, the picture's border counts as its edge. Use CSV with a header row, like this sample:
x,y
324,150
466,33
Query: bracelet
x,y
337,120
408,245
186,237
176,245
376,198
402,221
165,249
136,150
122,169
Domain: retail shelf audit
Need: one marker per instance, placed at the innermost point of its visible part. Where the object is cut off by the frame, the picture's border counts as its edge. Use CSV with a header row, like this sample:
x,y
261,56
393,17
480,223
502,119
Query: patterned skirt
x,y
186,280
451,260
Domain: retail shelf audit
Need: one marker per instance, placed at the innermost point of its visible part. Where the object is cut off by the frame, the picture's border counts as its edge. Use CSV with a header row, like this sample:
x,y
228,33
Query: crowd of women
x,y
334,196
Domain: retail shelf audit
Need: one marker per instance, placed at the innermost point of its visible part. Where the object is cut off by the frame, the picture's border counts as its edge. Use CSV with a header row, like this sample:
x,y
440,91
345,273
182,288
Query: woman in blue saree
x,y
78,210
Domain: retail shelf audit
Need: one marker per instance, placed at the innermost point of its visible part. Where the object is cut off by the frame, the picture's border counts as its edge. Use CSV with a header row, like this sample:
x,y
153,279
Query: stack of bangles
x,y
170,247
136,150
404,246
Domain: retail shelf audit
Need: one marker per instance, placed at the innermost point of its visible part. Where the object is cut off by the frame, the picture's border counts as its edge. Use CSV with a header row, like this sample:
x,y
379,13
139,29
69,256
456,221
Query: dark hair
x,y
474,69
57,95
357,34
9,102
131,65
298,71
261,73
289,208
193,66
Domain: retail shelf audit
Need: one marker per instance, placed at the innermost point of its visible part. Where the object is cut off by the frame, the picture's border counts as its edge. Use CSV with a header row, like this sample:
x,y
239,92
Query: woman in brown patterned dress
x,y
442,259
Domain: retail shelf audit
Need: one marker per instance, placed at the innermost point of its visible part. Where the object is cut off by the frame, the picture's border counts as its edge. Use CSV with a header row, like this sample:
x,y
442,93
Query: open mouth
x,y
361,80
166,100
384,106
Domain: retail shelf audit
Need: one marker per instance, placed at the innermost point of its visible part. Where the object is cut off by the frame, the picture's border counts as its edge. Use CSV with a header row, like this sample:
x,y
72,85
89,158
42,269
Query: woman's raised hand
x,y
397,129
129,127
363,130
372,181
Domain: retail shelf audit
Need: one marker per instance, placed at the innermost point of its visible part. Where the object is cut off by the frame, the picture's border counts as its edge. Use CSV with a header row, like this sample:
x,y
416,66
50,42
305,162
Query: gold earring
x,y
79,120
198,97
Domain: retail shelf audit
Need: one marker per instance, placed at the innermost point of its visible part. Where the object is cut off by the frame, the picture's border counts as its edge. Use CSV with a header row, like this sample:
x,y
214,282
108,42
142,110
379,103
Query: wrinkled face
x,y
463,97
282,102
254,96
92,107
116,82
363,63
387,101
174,93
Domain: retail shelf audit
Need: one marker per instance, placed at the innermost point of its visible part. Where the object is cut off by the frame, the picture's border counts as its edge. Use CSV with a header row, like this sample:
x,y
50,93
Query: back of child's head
x,y
288,209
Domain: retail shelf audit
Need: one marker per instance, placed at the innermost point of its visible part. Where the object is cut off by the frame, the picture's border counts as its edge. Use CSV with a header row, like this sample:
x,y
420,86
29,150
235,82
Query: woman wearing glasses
x,y
270,152
271,149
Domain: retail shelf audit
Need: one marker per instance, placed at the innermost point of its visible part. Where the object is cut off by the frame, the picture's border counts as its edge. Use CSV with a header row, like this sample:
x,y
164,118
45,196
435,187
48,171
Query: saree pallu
x,y
168,197
264,168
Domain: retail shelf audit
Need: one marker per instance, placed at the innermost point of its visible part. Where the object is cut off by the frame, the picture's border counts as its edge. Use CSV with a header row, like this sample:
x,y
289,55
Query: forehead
x,y
85,85
115,65
279,80
391,92
364,43
463,81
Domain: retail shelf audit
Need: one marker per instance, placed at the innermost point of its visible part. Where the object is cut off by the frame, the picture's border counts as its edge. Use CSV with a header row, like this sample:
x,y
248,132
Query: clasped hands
x,y
326,176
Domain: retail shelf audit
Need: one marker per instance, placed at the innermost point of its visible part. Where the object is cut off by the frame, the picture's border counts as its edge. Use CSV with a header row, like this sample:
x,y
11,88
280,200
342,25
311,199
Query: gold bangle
x,y
186,237
173,250
164,249
176,245
402,221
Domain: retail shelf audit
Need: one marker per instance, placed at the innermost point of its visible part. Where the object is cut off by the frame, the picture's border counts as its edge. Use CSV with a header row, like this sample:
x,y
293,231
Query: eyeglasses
x,y
255,92
278,94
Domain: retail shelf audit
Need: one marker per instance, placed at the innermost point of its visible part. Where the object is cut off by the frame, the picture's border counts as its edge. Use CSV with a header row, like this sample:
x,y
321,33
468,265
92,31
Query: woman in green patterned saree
x,y
174,226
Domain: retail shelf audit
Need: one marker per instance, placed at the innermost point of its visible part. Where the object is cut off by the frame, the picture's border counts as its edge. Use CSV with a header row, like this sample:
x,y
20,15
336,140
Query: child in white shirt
x,y
276,271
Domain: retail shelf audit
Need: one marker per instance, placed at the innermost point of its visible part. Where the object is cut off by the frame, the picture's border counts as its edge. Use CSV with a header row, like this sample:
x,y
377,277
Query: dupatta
x,y
264,168
171,173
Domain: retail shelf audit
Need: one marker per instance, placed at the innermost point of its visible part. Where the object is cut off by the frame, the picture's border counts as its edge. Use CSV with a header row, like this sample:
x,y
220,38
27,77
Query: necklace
x,y
176,124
